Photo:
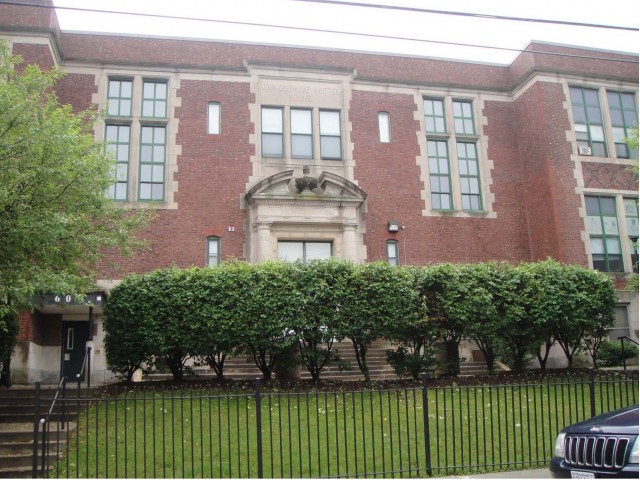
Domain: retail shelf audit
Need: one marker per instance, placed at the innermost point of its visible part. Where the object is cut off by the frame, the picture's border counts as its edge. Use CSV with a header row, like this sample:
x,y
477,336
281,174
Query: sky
x,y
422,34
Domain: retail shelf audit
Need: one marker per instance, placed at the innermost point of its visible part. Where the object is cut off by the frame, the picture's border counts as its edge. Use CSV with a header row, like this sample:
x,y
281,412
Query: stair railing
x,y
43,425
622,339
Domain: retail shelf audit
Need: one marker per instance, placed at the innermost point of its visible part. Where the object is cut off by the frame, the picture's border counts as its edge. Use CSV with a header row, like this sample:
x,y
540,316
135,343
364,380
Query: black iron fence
x,y
413,431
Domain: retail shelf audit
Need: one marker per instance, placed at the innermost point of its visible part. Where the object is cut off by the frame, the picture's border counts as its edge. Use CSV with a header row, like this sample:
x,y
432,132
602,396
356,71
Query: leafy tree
x,y
517,328
598,311
445,290
483,284
415,351
55,220
265,311
379,296
216,293
129,340
8,333
325,294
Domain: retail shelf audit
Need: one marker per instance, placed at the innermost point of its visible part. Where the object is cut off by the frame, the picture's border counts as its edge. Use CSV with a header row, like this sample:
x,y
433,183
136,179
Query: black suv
x,y
605,446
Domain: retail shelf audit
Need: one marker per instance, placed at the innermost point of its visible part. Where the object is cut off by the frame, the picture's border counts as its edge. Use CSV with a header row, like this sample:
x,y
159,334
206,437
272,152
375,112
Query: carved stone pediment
x,y
290,188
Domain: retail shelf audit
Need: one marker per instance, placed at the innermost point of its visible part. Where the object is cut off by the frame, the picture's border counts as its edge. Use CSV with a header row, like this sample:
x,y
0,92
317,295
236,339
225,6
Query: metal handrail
x,y
622,339
85,361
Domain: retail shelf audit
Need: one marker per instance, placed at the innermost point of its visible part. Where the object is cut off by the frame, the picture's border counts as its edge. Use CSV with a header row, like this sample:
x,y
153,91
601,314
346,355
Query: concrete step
x,y
16,472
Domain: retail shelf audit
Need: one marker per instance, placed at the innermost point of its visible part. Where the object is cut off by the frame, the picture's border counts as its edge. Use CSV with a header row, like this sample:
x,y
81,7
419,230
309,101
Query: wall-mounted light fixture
x,y
393,226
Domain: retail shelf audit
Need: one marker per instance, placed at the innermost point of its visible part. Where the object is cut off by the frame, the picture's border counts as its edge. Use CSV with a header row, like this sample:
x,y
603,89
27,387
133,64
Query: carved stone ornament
x,y
305,182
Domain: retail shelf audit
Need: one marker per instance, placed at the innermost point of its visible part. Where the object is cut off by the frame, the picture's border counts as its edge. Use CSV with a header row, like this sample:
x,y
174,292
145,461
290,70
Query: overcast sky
x,y
416,26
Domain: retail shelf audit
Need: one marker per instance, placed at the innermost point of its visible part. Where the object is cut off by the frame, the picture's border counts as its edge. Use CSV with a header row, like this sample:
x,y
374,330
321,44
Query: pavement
x,y
536,473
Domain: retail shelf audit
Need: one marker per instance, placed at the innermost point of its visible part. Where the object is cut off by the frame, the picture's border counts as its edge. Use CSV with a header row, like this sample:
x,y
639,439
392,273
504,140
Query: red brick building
x,y
255,152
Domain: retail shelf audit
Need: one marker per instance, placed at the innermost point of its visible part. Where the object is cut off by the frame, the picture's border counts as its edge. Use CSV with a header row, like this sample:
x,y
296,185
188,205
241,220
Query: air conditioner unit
x,y
584,151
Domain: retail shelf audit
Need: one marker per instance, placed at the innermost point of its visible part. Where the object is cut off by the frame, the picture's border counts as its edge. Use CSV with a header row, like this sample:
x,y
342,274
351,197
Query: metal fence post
x,y
34,471
624,360
592,391
425,417
259,427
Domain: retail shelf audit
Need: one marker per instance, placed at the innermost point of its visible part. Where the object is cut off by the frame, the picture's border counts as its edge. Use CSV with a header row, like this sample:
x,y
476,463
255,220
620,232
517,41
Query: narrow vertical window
x,y
330,141
154,99
469,176
384,127
622,109
272,133
152,159
439,175
587,121
393,256
301,133
434,116
213,118
631,214
119,98
117,138
604,233
213,251
463,118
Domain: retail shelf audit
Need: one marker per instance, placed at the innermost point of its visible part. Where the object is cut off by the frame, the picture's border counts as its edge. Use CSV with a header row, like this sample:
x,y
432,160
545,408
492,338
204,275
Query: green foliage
x,y
266,311
325,291
613,354
273,309
381,297
55,220
8,333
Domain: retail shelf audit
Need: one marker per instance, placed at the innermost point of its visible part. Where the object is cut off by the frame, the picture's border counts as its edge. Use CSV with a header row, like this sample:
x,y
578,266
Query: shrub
x,y
611,354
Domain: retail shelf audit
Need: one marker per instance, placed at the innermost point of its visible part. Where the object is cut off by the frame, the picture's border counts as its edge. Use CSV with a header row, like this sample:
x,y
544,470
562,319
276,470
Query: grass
x,y
209,434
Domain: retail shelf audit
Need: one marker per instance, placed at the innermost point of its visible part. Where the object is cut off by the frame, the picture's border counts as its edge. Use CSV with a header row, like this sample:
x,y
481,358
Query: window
x,y
434,116
119,98
393,256
469,176
454,164
213,118
152,158
298,136
439,176
330,142
384,127
291,251
604,233
118,138
463,118
213,251
154,99
301,133
623,113
587,120
631,216
272,133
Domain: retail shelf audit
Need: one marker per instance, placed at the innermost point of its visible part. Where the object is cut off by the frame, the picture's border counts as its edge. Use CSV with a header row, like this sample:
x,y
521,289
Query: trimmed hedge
x,y
272,309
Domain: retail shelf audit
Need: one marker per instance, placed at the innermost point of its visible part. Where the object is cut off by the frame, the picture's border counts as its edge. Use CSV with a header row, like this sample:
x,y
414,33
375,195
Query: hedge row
x,y
273,309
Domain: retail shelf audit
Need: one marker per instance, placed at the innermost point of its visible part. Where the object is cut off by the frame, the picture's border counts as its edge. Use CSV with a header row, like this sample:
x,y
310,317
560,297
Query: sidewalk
x,y
537,473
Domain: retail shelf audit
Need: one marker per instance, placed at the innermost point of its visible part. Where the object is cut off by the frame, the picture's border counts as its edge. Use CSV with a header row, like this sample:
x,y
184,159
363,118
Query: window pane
x,y
330,147
301,121
272,145
214,119
630,207
608,206
329,123
384,127
290,251
272,120
301,146
318,250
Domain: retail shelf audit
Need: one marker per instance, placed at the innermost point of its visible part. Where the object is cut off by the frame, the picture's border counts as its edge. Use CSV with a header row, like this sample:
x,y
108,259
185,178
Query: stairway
x,y
17,412
473,369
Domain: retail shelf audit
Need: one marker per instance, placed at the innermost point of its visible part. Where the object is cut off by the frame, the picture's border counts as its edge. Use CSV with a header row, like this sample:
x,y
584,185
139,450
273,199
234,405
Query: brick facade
x,y
531,177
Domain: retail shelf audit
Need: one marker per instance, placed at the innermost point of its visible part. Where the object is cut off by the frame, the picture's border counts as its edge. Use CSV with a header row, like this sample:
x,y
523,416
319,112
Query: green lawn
x,y
194,433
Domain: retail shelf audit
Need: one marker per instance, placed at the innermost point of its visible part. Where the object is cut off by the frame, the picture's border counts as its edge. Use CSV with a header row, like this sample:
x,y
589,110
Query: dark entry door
x,y
74,340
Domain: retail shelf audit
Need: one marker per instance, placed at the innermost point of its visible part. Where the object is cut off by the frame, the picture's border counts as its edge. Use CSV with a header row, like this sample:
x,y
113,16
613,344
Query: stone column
x,y
349,243
263,234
